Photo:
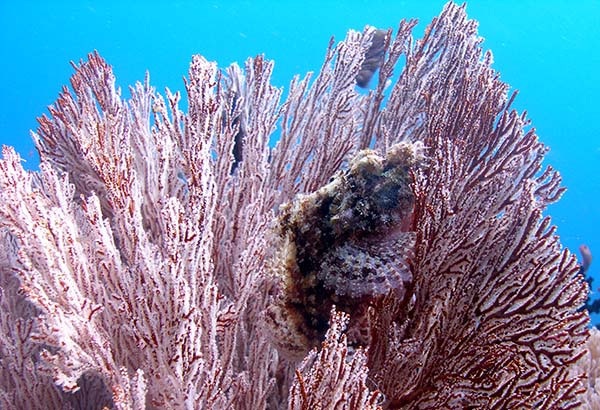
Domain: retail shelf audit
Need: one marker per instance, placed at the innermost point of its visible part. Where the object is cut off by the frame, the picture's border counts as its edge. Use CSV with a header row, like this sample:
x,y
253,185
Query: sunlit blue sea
x,y
548,50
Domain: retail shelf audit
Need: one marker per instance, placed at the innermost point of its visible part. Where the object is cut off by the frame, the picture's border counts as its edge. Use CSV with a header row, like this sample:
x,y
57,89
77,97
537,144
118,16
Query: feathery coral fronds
x,y
333,378
140,265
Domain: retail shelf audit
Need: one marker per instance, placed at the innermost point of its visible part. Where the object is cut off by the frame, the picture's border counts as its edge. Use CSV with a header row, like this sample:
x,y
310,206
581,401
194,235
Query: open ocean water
x,y
548,50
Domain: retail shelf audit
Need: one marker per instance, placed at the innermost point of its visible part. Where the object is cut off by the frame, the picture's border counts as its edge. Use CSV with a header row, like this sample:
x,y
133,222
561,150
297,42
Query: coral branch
x,y
163,259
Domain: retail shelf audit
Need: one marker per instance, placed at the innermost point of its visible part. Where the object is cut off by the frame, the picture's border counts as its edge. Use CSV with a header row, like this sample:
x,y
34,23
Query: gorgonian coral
x,y
141,266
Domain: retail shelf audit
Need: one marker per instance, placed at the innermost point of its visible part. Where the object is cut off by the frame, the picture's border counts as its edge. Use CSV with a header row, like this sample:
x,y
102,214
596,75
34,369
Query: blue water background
x,y
549,50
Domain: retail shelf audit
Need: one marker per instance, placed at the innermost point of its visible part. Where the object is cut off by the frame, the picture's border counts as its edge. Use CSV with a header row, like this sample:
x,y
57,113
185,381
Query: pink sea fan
x,y
140,264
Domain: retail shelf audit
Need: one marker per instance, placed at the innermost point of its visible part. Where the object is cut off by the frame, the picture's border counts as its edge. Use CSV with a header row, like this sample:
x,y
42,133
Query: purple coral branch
x,y
140,265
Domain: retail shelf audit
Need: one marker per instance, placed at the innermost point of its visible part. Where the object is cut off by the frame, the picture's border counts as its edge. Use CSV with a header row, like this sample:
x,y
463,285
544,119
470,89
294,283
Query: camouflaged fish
x,y
345,244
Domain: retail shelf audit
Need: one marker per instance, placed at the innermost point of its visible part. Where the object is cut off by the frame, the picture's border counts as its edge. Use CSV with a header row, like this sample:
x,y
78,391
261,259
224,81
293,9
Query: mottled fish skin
x,y
586,258
363,268
373,59
345,244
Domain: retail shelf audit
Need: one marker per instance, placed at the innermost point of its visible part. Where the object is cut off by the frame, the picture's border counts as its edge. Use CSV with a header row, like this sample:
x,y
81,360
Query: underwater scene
x,y
258,205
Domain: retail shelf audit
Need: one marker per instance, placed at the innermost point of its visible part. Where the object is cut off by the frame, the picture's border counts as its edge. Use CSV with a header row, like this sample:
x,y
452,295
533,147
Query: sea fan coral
x,y
153,261
590,365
